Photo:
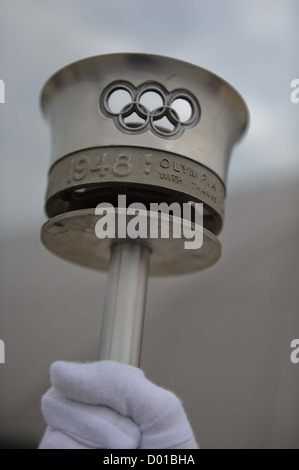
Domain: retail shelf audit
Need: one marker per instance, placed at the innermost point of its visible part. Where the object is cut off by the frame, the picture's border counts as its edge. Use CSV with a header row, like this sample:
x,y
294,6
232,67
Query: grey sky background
x,y
249,43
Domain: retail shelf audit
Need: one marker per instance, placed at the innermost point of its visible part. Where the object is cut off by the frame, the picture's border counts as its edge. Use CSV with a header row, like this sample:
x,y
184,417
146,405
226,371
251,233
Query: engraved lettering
x,y
170,177
148,163
175,168
101,165
122,166
165,163
79,169
205,179
204,191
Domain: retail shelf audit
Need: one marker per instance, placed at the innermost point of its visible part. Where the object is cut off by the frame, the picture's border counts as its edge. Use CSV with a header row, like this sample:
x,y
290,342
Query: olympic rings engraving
x,y
150,106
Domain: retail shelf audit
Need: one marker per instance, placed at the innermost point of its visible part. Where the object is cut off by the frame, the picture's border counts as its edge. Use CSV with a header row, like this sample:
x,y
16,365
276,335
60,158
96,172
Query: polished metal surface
x,y
152,127
122,320
156,130
71,101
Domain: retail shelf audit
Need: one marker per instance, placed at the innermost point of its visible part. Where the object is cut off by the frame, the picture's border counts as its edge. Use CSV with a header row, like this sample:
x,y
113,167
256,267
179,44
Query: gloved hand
x,y
108,405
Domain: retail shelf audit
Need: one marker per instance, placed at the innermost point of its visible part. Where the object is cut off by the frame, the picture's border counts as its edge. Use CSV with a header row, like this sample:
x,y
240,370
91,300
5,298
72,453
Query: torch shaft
x,y
124,305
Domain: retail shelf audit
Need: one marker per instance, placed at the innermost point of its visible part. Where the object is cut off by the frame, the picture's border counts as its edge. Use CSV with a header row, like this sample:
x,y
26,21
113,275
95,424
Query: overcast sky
x,y
253,44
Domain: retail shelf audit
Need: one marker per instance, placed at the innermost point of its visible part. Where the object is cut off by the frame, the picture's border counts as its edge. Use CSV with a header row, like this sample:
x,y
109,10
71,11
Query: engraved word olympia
x,y
122,164
150,107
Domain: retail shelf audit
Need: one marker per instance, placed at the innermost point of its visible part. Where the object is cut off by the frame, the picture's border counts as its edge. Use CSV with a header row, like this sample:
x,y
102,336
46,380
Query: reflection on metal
x,y
124,304
155,129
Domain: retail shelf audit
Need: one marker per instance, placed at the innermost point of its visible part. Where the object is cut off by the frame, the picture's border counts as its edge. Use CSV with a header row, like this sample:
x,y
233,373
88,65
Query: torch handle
x,y
124,305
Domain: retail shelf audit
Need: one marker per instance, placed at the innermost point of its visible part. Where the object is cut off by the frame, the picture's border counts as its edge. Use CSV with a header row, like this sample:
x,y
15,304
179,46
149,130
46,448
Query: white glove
x,y
108,405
